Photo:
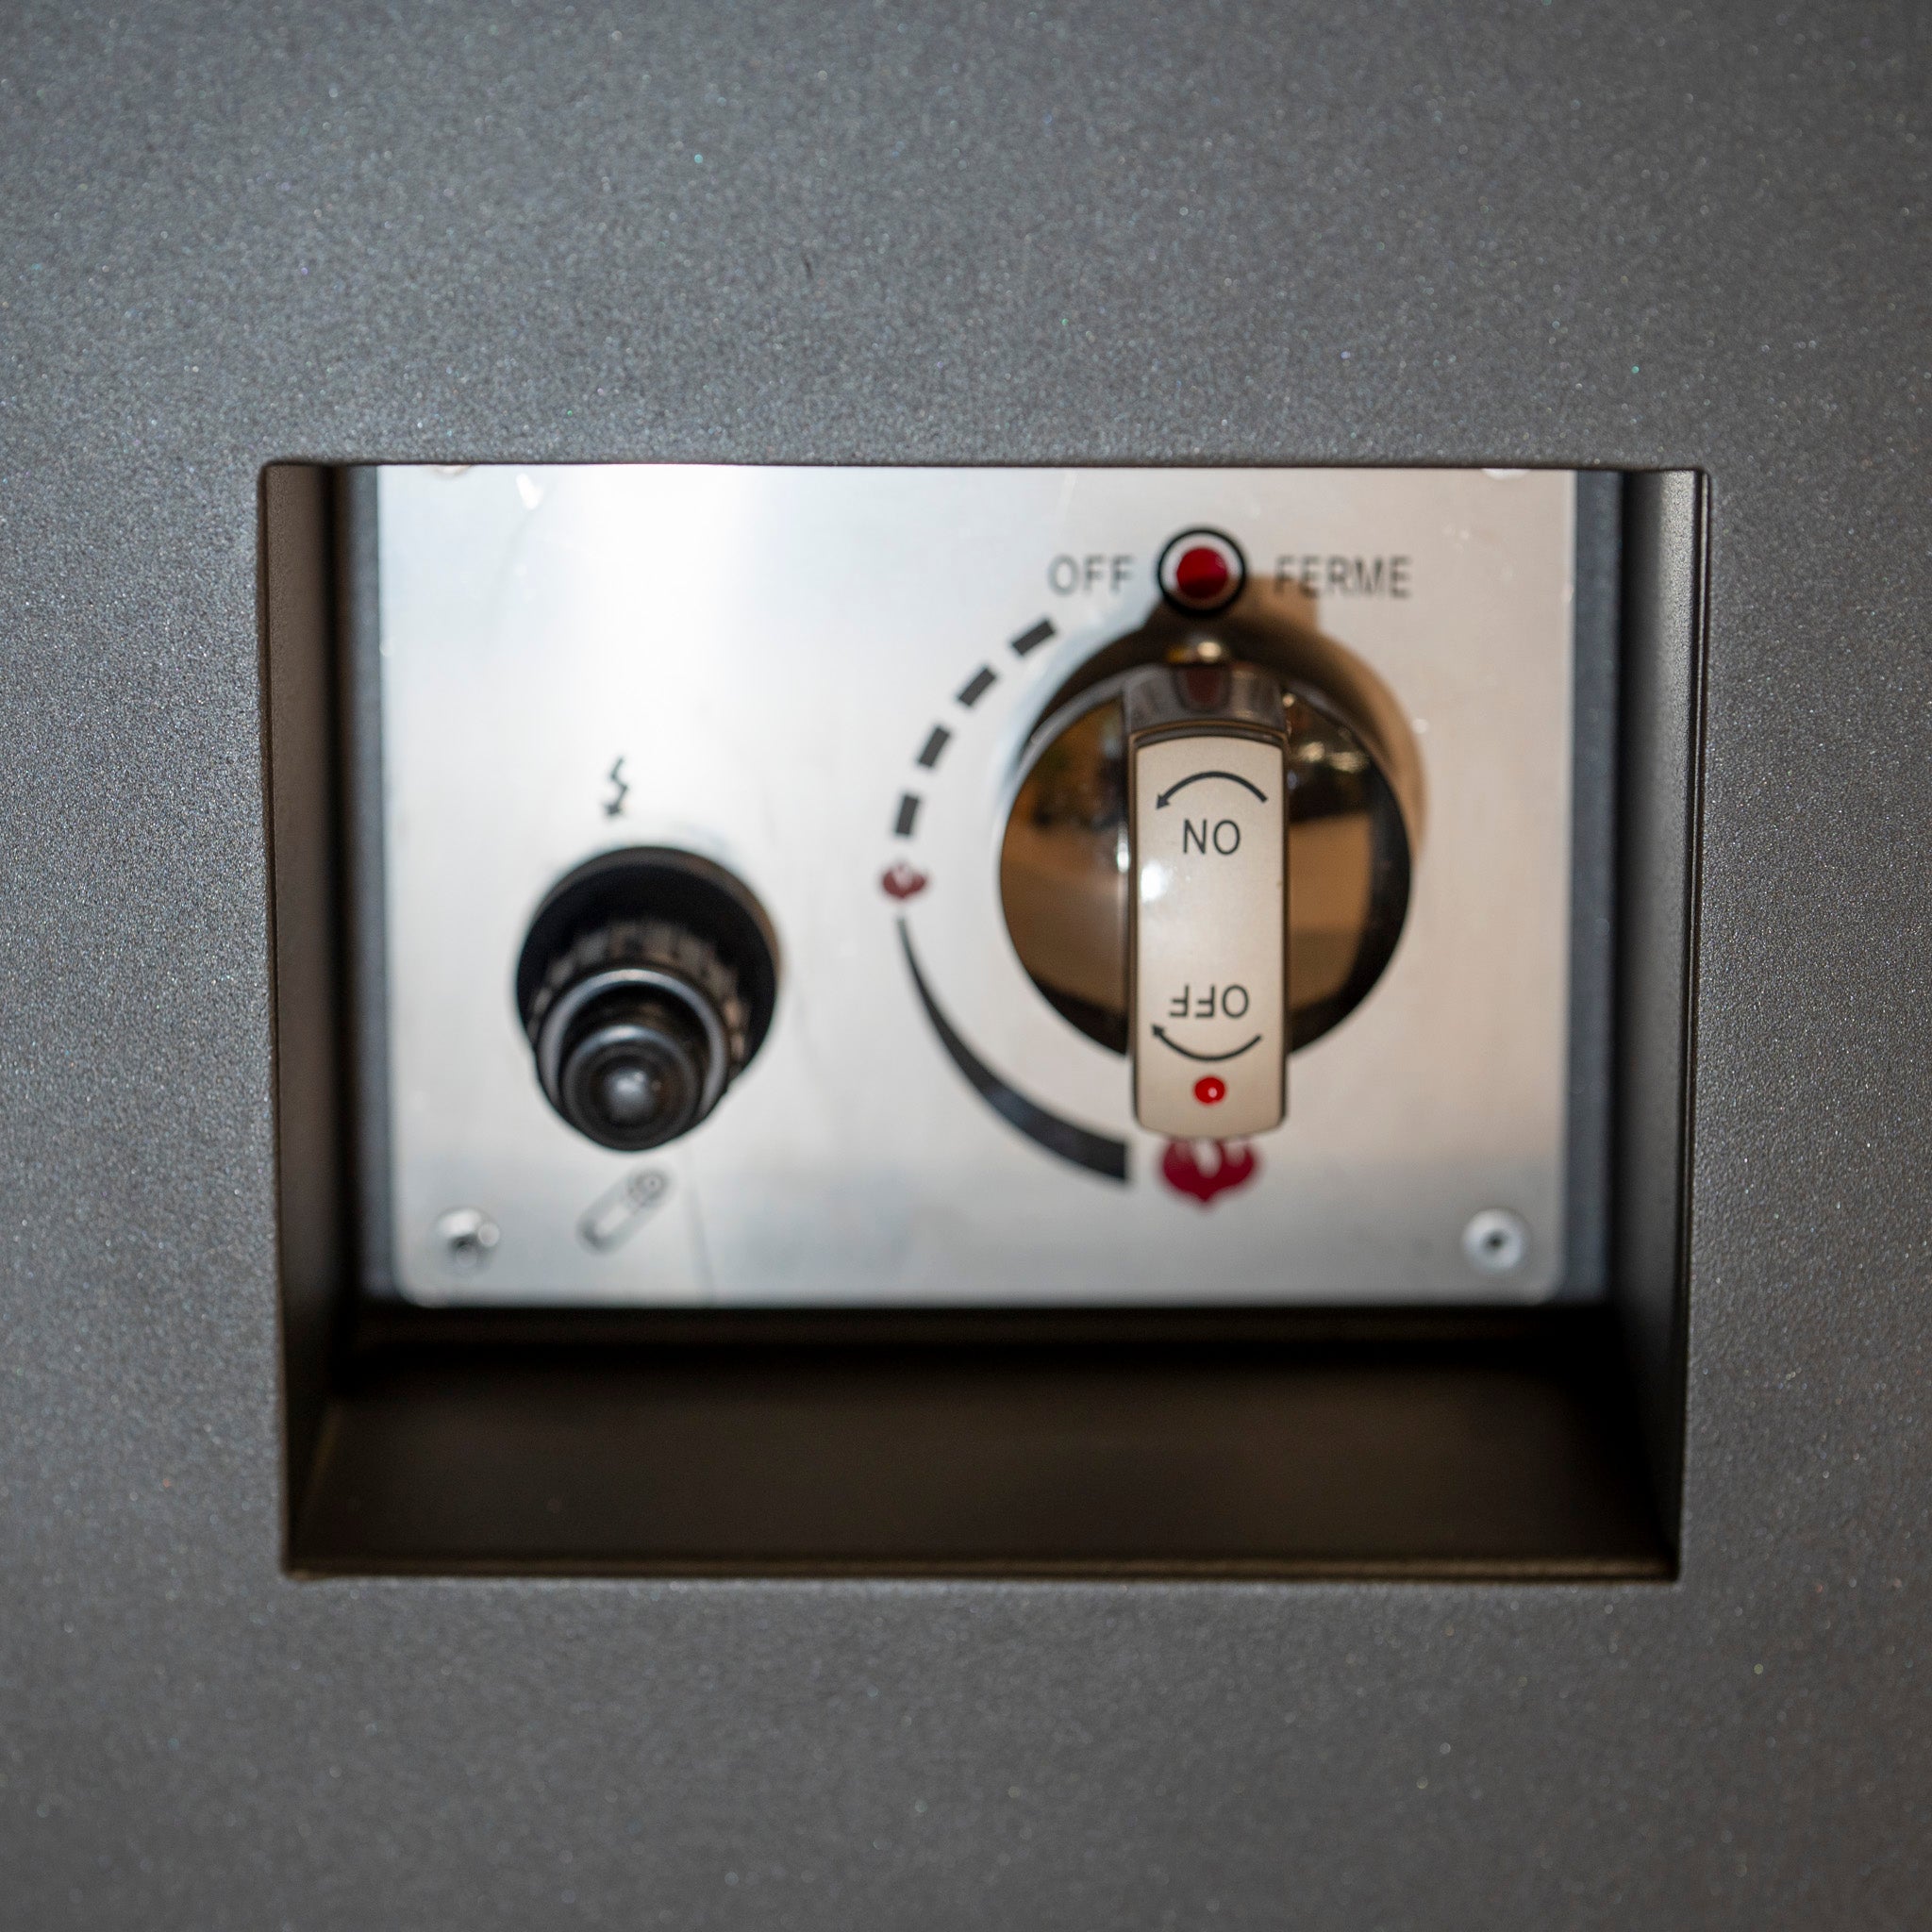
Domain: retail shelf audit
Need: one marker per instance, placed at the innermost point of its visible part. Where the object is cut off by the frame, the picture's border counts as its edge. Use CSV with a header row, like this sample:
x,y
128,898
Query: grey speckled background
x,y
1633,234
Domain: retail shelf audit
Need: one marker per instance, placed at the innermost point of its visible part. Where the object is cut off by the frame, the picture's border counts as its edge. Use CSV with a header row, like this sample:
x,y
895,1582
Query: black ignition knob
x,y
646,985
638,1025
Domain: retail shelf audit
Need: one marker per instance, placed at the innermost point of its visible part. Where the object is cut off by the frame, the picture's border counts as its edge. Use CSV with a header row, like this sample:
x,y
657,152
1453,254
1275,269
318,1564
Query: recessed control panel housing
x,y
852,702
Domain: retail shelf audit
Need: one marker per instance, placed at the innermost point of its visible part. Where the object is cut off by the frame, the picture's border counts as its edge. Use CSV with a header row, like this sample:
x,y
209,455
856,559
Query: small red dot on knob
x,y
1210,1091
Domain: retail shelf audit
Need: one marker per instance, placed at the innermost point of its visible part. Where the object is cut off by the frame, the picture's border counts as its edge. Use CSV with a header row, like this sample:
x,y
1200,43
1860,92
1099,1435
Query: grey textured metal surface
x,y
1626,236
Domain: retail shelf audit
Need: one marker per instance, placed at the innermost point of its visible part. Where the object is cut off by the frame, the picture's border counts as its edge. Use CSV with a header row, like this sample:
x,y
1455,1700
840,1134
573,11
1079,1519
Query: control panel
x,y
791,886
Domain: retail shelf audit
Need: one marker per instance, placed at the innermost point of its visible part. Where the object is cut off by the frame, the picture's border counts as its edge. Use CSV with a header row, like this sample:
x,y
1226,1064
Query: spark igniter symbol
x,y
614,804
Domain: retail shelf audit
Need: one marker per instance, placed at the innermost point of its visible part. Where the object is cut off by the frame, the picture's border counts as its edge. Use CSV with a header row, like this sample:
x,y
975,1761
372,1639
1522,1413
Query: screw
x,y
1495,1242
467,1235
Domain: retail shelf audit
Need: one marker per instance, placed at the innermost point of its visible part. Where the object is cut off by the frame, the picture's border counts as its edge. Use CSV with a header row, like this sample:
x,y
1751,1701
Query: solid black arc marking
x,y
1098,1153
1233,778
1210,1057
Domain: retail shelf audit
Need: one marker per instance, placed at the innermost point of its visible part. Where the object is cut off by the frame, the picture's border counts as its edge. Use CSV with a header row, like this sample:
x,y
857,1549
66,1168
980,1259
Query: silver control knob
x,y
1207,865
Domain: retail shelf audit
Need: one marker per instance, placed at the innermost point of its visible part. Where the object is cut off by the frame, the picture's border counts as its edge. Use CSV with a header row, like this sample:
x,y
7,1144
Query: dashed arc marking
x,y
1098,1153
978,686
967,696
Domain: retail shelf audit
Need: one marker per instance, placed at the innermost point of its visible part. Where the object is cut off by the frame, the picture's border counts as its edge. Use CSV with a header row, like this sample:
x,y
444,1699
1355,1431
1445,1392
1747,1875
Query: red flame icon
x,y
1182,1168
902,881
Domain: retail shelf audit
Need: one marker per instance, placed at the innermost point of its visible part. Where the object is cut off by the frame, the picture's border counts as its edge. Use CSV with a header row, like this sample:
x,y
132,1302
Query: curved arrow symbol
x,y
1233,778
1185,1054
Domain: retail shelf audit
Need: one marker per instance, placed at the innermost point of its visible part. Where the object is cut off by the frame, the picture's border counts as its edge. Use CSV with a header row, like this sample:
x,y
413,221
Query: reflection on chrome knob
x,y
645,986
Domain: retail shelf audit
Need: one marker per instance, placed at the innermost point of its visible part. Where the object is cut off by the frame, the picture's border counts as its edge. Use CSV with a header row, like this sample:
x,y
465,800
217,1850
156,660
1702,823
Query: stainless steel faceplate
x,y
823,680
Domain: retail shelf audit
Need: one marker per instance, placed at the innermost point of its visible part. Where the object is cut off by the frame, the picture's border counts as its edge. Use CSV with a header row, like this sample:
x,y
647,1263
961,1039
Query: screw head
x,y
468,1236
1495,1242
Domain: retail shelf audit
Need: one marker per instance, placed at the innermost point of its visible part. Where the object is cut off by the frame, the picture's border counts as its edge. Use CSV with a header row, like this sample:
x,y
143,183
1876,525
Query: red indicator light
x,y
1210,1091
1201,571
1201,574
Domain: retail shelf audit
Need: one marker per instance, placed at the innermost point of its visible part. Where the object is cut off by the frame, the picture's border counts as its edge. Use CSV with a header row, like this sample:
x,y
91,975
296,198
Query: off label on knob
x,y
1210,923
